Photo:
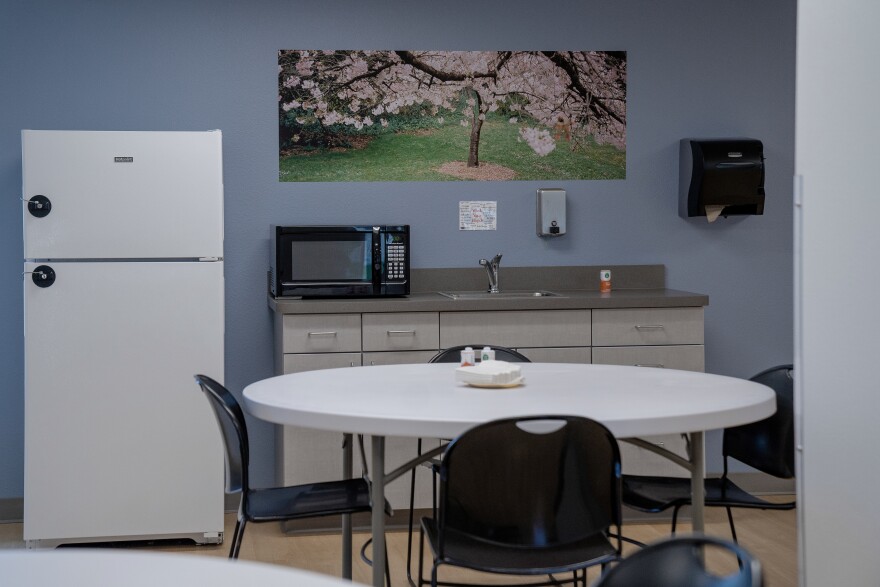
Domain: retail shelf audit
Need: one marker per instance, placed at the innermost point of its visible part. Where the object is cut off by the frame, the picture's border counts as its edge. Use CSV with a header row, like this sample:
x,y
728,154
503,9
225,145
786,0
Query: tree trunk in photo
x,y
474,152
476,126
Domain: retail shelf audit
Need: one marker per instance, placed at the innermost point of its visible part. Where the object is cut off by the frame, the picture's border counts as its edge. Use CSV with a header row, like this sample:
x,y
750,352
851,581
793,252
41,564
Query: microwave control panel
x,y
395,256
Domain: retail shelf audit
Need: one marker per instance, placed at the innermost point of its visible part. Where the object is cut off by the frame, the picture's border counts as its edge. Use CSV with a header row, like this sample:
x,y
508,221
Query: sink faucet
x,y
492,271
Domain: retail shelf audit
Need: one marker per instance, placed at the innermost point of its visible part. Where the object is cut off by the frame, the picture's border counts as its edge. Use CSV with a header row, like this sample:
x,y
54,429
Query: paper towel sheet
x,y
713,212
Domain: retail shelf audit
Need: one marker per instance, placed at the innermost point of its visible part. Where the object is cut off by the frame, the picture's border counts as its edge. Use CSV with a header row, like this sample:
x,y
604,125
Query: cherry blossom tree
x,y
577,93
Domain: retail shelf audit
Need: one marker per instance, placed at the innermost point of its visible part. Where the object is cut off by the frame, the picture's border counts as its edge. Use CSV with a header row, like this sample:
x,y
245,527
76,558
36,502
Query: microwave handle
x,y
377,258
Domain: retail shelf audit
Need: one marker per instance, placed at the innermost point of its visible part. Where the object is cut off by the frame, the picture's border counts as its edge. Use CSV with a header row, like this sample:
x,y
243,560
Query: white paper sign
x,y
476,215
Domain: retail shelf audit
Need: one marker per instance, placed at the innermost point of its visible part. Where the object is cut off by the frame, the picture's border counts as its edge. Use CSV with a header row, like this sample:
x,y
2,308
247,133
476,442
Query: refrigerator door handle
x,y
42,276
38,206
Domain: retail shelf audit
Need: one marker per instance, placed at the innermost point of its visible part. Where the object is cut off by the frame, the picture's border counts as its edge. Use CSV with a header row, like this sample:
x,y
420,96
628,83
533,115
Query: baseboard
x,y
11,510
360,522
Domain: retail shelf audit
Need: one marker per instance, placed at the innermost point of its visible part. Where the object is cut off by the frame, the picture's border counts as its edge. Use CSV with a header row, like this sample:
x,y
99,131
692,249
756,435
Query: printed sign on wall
x,y
451,115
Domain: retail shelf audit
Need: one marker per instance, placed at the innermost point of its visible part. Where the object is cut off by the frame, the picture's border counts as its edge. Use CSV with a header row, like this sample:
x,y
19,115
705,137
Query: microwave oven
x,y
339,261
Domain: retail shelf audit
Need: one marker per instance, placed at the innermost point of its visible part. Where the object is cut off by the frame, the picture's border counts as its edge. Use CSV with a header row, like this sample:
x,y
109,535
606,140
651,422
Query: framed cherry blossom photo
x,y
451,115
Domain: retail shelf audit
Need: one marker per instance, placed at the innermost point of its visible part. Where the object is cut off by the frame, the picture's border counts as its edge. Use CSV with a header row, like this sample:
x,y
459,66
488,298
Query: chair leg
x,y
387,567
237,535
730,521
675,517
412,502
421,556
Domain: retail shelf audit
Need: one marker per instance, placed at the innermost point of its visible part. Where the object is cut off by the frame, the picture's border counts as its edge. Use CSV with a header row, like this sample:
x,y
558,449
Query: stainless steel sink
x,y
502,295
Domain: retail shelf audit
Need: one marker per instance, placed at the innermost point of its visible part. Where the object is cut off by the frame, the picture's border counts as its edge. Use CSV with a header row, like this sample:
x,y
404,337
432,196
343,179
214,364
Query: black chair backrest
x,y
230,418
678,562
768,445
536,481
453,354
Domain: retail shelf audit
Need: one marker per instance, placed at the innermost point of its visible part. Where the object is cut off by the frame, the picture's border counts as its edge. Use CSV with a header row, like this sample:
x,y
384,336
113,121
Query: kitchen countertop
x,y
634,286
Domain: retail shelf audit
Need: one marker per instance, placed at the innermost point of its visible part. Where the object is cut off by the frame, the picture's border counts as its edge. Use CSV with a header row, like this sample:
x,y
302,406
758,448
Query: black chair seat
x,y
656,494
681,562
766,445
461,549
308,500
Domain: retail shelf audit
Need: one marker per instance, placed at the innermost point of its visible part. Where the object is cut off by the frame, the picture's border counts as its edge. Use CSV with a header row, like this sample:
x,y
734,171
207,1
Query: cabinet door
x,y
515,329
557,354
405,331
294,363
635,460
684,357
307,455
399,450
397,358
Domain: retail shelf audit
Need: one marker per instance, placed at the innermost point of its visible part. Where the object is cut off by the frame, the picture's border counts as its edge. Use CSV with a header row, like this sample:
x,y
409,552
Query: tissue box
x,y
490,373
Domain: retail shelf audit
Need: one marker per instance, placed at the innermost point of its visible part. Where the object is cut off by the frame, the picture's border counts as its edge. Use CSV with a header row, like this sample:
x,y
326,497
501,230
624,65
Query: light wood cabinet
x,y
671,337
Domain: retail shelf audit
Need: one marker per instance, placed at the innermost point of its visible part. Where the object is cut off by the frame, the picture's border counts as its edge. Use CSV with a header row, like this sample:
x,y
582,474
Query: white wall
x,y
837,278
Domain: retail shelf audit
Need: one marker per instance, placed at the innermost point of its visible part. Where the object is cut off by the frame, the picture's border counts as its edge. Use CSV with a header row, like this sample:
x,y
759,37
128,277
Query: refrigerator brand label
x,y
123,159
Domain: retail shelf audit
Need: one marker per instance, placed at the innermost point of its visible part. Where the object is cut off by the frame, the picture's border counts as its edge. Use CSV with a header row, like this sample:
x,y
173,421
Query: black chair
x,y
453,354
681,562
527,496
767,446
276,503
450,355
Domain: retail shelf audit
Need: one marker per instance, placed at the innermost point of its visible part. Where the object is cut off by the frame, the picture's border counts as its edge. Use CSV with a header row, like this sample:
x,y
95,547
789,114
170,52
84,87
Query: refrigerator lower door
x,y
120,444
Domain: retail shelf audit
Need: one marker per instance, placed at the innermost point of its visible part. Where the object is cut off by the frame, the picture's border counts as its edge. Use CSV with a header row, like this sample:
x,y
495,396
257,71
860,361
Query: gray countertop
x,y
633,286
434,302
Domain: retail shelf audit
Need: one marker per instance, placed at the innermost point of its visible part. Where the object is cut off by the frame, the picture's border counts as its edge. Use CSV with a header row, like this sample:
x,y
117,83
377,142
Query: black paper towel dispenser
x,y
721,177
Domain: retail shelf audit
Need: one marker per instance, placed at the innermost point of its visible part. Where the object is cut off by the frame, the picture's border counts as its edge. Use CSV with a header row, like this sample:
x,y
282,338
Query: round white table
x,y
425,400
81,567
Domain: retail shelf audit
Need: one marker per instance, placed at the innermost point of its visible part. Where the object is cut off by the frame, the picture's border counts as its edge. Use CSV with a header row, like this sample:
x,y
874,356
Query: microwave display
x,y
339,261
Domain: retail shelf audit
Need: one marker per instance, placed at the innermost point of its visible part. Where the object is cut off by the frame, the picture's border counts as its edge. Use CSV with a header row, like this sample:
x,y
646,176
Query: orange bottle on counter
x,y
605,280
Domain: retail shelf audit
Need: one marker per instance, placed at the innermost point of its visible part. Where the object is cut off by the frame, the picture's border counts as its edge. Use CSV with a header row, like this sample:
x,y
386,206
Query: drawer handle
x,y
328,333
656,365
393,332
649,327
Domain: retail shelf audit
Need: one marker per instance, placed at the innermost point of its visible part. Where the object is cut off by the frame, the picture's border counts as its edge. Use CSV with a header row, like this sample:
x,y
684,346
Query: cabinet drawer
x,y
684,357
321,333
540,328
405,331
647,326
313,362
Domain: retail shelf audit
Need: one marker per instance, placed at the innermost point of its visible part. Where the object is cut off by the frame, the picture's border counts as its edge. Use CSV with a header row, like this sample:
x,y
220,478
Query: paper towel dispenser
x,y
721,177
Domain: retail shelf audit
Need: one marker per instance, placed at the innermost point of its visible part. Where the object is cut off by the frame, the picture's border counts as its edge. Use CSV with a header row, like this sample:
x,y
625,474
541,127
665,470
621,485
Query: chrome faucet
x,y
492,271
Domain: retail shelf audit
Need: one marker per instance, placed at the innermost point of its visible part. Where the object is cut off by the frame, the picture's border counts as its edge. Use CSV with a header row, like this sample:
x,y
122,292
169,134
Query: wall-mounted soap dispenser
x,y
550,212
721,177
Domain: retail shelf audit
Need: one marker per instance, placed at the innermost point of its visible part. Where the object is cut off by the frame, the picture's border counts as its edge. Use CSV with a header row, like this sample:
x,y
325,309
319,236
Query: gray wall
x,y
695,69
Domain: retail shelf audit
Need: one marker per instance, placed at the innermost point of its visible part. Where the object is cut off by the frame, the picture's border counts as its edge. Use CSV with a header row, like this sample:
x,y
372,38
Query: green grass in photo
x,y
417,156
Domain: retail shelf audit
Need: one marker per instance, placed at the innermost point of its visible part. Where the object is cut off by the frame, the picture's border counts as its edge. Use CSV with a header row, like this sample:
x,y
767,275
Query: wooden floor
x,y
771,536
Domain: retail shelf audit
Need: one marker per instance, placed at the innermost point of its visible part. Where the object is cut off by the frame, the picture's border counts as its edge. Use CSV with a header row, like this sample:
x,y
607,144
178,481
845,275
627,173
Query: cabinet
x,y
327,341
670,337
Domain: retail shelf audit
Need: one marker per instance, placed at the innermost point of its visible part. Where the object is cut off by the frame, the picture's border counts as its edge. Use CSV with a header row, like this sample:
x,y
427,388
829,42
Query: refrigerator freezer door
x,y
123,195
119,441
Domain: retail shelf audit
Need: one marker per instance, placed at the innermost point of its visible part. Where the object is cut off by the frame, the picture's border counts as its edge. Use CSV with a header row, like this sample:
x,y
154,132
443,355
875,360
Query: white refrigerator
x,y
123,304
